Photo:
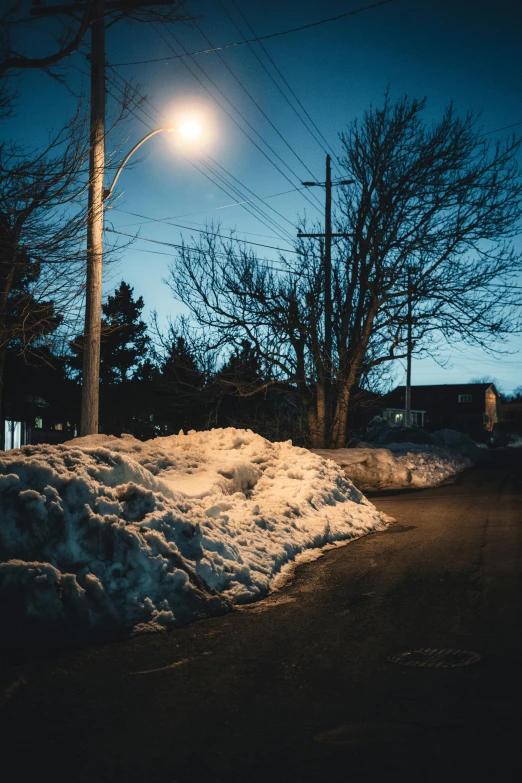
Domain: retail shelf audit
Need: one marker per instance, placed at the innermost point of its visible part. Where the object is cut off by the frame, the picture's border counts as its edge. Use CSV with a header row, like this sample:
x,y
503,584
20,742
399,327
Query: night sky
x,y
465,51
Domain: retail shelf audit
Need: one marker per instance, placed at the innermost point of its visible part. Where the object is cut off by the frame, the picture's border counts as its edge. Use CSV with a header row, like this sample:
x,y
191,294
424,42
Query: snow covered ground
x,y
398,465
104,534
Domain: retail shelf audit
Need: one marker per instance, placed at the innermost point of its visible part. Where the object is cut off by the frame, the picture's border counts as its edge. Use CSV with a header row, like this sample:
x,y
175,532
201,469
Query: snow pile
x,y
462,444
399,466
104,534
515,442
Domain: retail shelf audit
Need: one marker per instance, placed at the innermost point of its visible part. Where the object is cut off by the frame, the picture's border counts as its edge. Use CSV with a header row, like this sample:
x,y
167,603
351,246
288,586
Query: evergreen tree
x,y
181,399
125,342
242,372
126,370
241,401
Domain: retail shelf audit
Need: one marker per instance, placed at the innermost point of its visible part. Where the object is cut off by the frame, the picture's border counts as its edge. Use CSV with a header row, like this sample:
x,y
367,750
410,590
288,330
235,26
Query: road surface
x,y
300,687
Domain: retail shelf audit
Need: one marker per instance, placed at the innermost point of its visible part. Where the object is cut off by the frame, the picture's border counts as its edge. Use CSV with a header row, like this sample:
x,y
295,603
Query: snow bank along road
x,y
298,687
108,534
398,465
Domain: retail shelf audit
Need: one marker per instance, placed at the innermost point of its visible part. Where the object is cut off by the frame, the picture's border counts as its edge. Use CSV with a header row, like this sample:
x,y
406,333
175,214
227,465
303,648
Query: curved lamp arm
x,y
107,191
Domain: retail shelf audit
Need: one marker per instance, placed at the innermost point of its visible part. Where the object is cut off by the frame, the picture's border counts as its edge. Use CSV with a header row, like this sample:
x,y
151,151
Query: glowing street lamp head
x,y
195,126
190,129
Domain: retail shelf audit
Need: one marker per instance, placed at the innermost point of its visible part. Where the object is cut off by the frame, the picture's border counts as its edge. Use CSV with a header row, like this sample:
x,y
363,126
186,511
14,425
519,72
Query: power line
x,y
272,268
506,127
248,190
191,223
206,231
291,223
228,206
198,250
255,102
258,38
213,175
231,117
326,146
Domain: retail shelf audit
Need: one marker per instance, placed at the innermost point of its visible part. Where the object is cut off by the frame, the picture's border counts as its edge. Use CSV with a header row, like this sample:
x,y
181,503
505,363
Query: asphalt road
x,y
299,687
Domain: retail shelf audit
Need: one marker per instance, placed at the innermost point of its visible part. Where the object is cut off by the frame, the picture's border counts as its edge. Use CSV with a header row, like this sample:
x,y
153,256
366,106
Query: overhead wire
x,y
219,176
261,37
207,231
231,117
219,165
214,176
196,223
254,101
228,206
506,127
197,250
324,144
316,132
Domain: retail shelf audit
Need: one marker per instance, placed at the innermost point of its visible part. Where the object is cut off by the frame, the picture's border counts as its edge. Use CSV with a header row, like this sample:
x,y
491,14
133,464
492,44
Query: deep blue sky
x,y
467,51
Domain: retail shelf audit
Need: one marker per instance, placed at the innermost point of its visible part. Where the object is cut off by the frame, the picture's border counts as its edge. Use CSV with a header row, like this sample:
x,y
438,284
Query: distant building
x,y
32,420
472,408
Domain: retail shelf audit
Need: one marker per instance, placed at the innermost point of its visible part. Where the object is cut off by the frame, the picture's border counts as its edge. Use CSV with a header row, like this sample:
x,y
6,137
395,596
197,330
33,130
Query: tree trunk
x,y
347,382
316,419
341,413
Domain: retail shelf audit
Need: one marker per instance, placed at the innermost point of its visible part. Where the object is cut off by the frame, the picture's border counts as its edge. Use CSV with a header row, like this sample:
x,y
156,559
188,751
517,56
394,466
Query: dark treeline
x,y
152,387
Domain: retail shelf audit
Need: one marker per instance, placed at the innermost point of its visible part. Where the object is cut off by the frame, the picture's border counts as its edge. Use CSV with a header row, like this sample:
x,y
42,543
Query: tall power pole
x,y
93,294
328,297
407,396
327,274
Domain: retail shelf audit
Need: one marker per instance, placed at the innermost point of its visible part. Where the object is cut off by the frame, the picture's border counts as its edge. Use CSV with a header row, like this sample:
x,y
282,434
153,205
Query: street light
x,y
168,128
93,293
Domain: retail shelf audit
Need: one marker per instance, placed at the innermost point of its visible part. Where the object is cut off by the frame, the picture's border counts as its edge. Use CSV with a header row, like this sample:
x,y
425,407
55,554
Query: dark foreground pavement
x,y
299,687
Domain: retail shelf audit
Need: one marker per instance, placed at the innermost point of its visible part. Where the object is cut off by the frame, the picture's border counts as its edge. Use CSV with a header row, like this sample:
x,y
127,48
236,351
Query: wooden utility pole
x,y
407,396
328,301
93,293
327,275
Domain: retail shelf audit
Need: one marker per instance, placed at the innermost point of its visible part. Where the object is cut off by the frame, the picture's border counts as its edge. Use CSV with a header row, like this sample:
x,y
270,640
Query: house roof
x,y
424,397
459,388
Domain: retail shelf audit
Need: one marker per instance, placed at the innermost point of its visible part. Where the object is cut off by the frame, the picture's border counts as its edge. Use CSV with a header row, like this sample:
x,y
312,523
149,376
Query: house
x,y
472,408
32,420
40,404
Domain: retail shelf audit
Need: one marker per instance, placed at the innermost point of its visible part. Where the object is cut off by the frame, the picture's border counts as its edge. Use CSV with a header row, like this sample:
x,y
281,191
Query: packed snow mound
x,y
399,466
103,534
462,444
380,432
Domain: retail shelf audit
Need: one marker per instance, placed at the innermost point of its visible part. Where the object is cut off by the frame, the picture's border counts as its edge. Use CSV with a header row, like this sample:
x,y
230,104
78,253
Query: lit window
x,y
465,398
13,434
58,427
38,423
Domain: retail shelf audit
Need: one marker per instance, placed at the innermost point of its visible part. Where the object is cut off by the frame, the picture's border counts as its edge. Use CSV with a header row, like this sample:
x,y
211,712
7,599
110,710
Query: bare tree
x,y
42,232
73,26
431,219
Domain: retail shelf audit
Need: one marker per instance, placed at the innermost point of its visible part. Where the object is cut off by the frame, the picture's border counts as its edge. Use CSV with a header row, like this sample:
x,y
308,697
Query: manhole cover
x,y
437,659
